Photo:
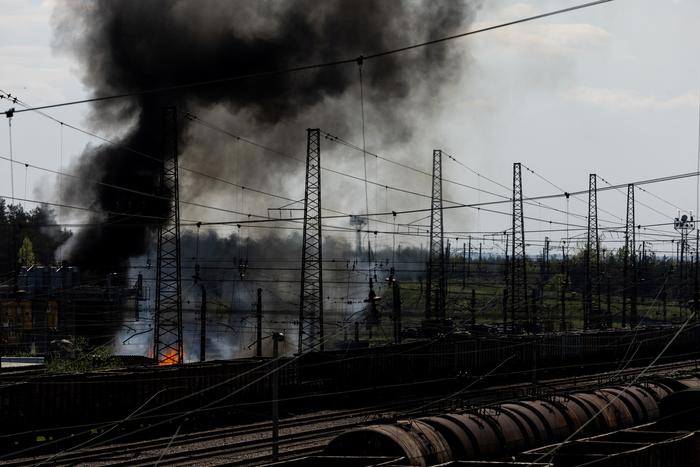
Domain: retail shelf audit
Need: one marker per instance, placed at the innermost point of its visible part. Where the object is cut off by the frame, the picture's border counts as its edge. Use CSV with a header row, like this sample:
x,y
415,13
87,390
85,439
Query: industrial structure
x,y
520,309
167,346
454,353
311,296
436,288
51,305
629,291
592,312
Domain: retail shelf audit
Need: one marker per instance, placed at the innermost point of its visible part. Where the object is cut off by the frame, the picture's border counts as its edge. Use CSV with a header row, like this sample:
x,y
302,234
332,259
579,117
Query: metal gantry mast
x,y
436,286
629,292
518,271
545,261
696,285
684,224
591,312
311,297
564,285
167,346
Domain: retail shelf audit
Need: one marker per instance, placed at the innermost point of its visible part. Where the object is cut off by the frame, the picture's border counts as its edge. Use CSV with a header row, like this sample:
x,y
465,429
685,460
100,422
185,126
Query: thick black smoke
x,y
133,45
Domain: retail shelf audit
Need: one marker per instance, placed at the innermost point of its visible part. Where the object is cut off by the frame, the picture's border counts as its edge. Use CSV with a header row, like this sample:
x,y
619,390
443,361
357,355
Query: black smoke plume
x,y
128,46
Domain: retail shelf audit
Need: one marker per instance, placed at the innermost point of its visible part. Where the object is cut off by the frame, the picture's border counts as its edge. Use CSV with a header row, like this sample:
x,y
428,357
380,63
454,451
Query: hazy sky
x,y
611,90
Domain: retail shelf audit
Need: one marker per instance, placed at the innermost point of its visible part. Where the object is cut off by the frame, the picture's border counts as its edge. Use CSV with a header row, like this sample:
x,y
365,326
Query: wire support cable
x,y
300,68
158,160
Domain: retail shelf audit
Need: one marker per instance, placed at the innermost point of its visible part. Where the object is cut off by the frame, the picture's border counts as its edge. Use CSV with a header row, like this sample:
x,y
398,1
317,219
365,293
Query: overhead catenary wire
x,y
199,409
266,148
196,393
364,181
299,68
194,171
334,138
264,219
336,228
125,189
145,155
619,394
567,224
158,160
663,200
546,180
636,200
141,153
541,205
344,142
493,203
364,148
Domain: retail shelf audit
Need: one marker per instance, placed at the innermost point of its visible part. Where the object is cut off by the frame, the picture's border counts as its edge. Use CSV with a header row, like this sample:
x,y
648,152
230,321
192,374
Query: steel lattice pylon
x,y
436,287
520,311
683,224
629,292
591,314
167,347
311,297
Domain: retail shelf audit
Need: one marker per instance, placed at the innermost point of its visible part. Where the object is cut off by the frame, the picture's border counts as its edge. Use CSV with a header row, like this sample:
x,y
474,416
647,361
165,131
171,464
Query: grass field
x,y
489,308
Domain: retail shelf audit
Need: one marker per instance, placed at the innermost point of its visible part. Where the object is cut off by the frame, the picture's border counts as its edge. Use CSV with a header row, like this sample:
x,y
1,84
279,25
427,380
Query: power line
x,y
87,209
476,205
348,144
295,69
637,202
546,180
325,169
339,216
342,141
533,198
148,156
674,206
158,160
239,138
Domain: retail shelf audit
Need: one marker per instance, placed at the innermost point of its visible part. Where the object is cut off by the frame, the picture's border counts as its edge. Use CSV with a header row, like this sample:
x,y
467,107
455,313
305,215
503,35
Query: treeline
x,y
28,237
33,237
655,275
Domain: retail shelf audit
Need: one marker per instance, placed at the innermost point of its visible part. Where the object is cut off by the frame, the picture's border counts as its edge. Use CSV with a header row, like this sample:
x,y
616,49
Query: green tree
x,y
39,225
26,255
79,357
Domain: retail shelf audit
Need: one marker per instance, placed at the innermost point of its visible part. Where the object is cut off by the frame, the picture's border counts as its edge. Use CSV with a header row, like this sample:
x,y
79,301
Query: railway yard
x,y
310,434
350,233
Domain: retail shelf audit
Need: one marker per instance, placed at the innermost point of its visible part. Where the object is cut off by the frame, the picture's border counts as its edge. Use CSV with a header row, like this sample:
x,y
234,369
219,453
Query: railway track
x,y
124,452
251,444
252,451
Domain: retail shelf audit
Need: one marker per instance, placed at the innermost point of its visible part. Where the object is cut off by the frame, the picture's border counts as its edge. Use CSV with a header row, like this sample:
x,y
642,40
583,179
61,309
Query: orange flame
x,y
170,358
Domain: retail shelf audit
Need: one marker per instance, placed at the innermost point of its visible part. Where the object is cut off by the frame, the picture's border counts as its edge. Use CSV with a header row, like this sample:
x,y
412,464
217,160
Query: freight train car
x,y
338,377
445,359
505,430
44,401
